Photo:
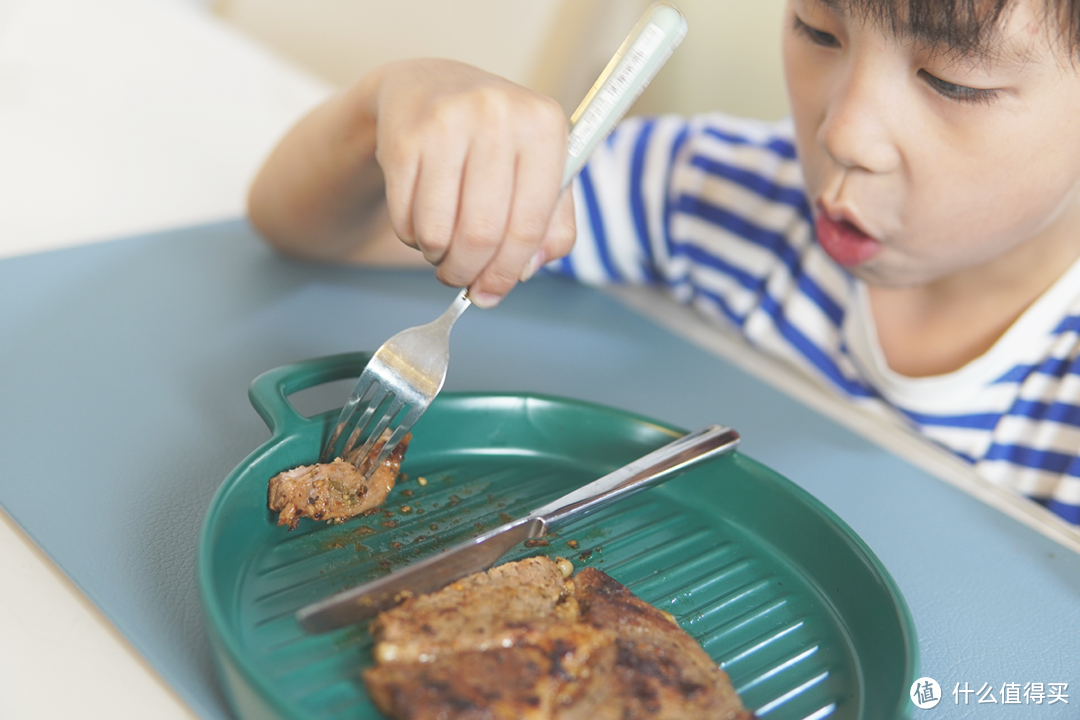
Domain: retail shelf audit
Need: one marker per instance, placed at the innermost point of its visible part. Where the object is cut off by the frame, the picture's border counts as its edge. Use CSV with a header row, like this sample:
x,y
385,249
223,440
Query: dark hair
x,y
966,26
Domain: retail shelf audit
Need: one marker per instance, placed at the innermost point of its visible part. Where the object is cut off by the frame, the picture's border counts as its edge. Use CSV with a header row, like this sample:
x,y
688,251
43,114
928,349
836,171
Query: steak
x,y
494,609
520,641
333,491
659,671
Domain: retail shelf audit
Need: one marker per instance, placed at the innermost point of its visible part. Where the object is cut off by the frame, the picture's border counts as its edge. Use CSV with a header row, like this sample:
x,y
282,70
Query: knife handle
x,y
652,469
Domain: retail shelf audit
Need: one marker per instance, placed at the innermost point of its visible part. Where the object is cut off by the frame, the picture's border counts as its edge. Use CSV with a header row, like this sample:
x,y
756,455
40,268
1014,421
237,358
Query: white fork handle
x,y
630,70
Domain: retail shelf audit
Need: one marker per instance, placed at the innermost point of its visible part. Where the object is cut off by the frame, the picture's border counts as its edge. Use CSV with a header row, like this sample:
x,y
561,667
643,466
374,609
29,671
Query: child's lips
x,y
844,241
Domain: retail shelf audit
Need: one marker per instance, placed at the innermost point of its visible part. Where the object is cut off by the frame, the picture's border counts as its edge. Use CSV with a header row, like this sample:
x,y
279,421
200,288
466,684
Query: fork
x,y
408,371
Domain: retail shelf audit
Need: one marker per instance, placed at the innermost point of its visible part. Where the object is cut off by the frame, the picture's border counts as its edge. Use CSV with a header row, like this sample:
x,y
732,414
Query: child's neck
x,y
928,330
942,326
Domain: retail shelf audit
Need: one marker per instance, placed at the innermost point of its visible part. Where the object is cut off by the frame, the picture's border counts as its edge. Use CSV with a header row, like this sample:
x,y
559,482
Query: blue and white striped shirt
x,y
714,208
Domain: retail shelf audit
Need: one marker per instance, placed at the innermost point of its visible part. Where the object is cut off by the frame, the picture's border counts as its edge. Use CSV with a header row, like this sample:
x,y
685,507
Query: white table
x,y
117,117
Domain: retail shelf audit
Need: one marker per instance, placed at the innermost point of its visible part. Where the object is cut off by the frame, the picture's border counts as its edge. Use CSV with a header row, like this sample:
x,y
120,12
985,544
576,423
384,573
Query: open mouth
x,y
843,241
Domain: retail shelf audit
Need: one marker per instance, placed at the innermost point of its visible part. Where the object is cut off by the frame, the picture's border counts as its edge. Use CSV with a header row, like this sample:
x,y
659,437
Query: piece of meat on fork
x,y
334,491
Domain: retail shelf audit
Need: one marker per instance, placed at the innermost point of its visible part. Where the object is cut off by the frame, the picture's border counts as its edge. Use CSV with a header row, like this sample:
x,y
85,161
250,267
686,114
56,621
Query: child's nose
x,y
860,122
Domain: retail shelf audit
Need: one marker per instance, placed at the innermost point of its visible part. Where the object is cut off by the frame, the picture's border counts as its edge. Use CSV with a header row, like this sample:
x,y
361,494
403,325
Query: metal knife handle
x,y
652,469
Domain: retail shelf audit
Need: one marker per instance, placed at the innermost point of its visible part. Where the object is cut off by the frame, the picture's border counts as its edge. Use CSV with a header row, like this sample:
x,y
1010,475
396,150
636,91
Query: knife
x,y
365,601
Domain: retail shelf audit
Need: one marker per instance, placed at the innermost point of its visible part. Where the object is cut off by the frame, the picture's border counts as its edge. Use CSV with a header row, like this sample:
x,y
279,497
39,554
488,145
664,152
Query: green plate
x,y
794,606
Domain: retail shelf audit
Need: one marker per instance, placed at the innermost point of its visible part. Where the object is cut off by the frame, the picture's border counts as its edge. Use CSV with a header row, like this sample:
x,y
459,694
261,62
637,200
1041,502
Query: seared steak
x,y
660,671
479,612
332,491
537,678
521,642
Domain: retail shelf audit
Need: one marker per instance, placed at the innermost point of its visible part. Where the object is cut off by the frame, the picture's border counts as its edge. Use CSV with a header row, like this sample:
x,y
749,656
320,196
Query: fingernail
x,y
537,260
484,301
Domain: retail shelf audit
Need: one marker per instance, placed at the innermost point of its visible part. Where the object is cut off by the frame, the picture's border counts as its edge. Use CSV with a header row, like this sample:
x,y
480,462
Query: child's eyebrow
x,y
992,48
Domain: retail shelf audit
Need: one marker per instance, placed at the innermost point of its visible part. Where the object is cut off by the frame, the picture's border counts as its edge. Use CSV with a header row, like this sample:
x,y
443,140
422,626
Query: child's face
x,y
922,164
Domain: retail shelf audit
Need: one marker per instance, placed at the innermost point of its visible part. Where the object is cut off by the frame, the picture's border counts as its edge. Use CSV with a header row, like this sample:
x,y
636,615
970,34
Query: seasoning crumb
x,y
405,509
538,542
422,480
388,524
434,526
420,538
573,544
396,545
453,501
407,493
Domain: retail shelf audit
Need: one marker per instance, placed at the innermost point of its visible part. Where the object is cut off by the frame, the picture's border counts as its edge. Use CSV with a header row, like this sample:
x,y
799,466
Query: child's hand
x,y
471,165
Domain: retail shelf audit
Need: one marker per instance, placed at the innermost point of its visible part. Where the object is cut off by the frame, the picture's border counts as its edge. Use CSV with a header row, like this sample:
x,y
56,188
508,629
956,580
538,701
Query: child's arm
x,y
459,164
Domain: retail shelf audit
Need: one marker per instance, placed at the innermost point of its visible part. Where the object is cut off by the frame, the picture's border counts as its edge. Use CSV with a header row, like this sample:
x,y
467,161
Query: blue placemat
x,y
123,405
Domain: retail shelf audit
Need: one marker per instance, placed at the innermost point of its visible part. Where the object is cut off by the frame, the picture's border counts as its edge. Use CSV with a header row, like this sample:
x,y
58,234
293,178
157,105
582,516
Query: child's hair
x,y
964,26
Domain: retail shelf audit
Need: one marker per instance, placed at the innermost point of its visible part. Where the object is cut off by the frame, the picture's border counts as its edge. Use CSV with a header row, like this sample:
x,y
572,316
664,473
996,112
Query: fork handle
x,y
452,313
641,55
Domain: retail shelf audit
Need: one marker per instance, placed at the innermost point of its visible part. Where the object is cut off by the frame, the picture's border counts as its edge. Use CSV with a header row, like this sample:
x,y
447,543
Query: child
x,y
910,237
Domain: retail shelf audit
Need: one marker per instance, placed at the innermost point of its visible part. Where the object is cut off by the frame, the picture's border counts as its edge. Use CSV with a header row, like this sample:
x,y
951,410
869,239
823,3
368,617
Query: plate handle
x,y
269,392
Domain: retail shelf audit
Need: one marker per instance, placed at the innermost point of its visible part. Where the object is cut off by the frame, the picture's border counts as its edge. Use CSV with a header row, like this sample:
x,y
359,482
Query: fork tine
x,y
357,456
394,440
375,400
363,385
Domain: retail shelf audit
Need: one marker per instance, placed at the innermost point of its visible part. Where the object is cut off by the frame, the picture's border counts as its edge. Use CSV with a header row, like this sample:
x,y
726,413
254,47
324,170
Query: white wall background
x,y
730,59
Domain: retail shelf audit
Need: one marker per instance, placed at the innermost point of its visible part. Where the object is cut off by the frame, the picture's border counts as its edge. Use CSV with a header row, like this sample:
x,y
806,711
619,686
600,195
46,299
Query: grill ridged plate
x,y
776,588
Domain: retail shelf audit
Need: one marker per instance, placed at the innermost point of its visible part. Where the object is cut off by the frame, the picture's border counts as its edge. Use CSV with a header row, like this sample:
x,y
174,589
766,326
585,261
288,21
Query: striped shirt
x,y
714,208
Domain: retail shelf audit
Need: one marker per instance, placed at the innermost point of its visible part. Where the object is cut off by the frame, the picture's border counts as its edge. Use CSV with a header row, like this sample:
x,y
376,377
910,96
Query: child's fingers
x,y
535,198
472,167
436,202
501,274
540,227
561,231
519,258
501,229
487,193
399,158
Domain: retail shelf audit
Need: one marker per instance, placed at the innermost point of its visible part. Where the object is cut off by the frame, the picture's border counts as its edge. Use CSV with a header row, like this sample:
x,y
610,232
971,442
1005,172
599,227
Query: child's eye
x,y
959,93
818,37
